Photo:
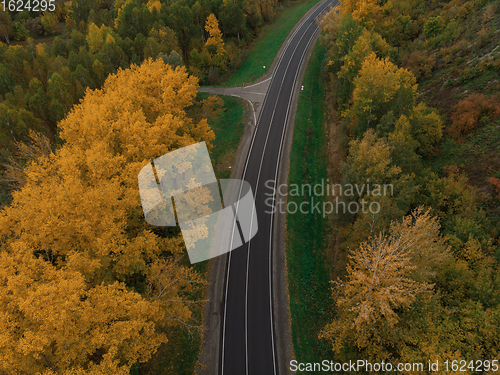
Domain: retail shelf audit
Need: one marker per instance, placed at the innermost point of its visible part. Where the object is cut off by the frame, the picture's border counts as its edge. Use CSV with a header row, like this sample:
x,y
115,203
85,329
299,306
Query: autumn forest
x,y
415,94
93,91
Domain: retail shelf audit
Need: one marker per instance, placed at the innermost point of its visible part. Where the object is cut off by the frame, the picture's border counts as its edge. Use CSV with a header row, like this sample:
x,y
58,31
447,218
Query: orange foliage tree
x,y
469,111
496,183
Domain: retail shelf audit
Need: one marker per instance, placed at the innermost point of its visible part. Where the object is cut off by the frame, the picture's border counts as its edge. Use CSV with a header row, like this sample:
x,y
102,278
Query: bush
x,y
49,23
433,27
468,74
20,32
468,113
464,10
174,59
451,32
496,184
420,63
213,75
34,25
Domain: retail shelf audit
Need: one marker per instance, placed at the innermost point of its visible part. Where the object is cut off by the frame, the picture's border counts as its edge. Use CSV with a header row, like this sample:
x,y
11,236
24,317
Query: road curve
x,y
248,338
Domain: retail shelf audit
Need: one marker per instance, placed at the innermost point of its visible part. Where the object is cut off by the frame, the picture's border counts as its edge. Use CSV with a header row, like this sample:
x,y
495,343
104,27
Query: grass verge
x,y
265,48
228,129
308,281
179,355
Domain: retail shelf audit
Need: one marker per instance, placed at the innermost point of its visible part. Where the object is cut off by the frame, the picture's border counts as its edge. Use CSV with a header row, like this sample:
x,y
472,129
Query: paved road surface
x,y
248,346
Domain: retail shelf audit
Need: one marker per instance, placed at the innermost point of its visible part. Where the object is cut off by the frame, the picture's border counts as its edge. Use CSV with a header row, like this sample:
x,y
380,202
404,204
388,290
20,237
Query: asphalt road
x,y
248,342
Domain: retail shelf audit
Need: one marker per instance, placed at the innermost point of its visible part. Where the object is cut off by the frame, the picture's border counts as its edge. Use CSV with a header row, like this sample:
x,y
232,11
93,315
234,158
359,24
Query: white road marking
x,y
256,93
255,194
256,189
253,109
258,83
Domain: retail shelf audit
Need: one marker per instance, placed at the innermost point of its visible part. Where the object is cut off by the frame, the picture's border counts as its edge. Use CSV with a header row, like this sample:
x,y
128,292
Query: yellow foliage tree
x,y
51,319
370,161
370,158
329,24
380,87
74,238
368,12
96,37
143,123
367,43
385,276
215,39
155,4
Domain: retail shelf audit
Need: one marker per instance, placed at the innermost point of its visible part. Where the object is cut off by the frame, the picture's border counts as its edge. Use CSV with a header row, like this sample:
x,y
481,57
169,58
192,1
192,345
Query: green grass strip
x,y
265,48
228,129
308,278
